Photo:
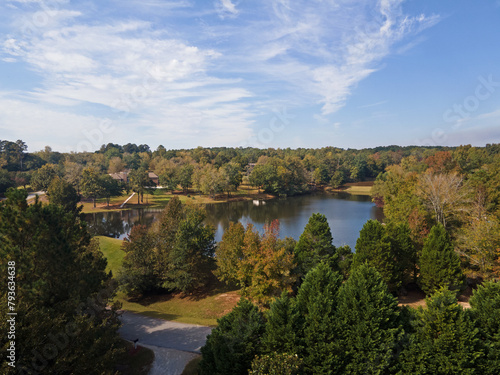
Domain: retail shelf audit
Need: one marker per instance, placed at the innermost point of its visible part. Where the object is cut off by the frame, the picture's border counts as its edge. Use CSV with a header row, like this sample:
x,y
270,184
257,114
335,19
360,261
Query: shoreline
x,y
245,193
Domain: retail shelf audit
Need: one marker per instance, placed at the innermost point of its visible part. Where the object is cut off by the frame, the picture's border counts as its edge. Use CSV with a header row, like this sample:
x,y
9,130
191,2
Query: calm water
x,y
346,215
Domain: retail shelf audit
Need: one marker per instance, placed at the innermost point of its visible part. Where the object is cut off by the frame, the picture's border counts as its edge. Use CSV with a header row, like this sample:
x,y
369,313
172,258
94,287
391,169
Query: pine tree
x,y
315,244
374,248
485,310
317,303
233,344
64,324
439,264
445,340
282,326
369,321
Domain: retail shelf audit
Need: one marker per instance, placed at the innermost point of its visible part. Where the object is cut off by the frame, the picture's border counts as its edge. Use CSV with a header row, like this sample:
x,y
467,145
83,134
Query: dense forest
x,y
308,307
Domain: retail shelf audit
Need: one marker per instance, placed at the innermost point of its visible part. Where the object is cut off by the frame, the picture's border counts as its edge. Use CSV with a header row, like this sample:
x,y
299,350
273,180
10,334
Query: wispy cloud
x,y
172,75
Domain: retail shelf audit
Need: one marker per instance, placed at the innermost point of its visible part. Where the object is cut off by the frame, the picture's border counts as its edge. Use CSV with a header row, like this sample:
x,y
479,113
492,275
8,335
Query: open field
x,y
355,188
203,309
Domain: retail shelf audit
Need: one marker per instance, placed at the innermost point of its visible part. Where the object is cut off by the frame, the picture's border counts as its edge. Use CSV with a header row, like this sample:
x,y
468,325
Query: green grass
x,y
111,248
203,309
160,199
135,361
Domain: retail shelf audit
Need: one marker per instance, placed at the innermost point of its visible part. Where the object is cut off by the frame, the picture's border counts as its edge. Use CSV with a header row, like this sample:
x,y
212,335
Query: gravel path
x,y
174,344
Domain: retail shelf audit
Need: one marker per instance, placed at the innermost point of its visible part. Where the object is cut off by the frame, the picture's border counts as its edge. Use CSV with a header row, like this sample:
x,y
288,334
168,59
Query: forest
x,y
307,307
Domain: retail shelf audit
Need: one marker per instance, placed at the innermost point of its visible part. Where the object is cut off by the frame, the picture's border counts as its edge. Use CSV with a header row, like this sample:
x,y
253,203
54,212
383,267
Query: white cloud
x,y
185,82
226,8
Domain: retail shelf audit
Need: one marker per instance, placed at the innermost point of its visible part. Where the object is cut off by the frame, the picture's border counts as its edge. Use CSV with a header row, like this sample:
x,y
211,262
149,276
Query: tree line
x,y
215,171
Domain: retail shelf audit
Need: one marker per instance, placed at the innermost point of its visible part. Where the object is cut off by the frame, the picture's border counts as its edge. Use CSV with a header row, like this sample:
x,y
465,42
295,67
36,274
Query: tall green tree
x,y
110,187
485,310
90,184
191,259
233,344
62,291
439,265
63,193
317,301
283,325
42,177
369,324
374,247
445,340
315,244
139,273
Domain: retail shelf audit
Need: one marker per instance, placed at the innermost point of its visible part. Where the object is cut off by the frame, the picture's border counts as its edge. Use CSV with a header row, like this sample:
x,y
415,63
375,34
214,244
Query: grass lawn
x,y
203,309
160,198
111,248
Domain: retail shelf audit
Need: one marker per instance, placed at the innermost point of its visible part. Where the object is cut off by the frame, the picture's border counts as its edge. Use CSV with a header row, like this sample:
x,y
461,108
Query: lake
x,y
346,215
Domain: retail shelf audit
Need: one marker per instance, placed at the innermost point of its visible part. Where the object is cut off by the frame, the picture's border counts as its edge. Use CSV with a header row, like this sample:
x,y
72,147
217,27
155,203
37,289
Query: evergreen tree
x,y
439,264
445,340
191,257
374,247
282,326
485,310
315,244
370,329
139,274
233,344
63,325
317,303
404,251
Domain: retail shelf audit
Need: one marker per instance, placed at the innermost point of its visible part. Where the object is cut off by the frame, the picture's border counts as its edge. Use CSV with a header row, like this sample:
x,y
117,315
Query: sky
x,y
263,73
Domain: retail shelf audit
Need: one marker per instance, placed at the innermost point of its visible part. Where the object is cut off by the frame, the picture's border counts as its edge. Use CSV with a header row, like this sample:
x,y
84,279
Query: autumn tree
x,y
267,263
478,241
444,195
229,253
439,264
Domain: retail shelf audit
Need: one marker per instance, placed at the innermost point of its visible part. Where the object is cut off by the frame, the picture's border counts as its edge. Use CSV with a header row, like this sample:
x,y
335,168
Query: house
x,y
154,178
123,176
120,176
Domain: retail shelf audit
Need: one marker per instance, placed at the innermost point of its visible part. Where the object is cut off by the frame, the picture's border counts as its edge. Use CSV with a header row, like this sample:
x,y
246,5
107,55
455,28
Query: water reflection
x,y
346,215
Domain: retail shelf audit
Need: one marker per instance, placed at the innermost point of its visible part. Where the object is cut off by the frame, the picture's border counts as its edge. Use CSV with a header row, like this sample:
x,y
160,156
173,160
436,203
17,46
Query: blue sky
x,y
263,73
